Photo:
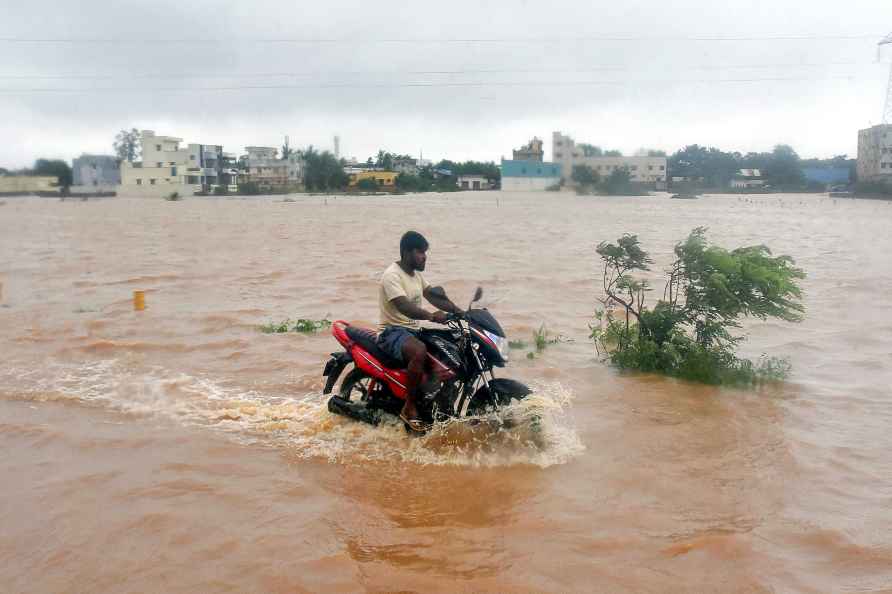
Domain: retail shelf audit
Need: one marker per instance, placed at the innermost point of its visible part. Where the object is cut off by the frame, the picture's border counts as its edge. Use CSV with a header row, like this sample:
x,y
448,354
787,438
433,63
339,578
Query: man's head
x,y
413,250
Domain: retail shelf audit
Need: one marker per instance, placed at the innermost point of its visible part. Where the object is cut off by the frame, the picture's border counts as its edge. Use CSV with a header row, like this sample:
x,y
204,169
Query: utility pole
x,y
887,108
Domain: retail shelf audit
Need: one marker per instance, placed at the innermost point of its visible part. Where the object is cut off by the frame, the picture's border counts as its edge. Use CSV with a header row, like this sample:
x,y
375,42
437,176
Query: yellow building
x,y
386,180
28,184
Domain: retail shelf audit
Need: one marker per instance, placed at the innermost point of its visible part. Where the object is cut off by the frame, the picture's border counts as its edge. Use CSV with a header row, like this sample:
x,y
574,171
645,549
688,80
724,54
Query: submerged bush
x,y
687,334
301,325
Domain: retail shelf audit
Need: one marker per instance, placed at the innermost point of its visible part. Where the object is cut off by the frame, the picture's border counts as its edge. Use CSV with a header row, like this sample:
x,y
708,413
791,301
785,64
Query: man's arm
x,y
436,296
410,310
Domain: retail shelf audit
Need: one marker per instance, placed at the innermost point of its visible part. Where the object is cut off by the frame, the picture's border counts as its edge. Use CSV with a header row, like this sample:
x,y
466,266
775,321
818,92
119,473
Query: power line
x,y
413,72
421,85
446,40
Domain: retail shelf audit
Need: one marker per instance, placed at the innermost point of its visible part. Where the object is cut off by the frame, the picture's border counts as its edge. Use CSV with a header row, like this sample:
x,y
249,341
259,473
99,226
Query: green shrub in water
x,y
687,334
302,325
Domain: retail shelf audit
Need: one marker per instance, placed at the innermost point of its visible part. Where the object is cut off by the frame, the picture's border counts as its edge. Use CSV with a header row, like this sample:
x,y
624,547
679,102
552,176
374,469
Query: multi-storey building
x,y
875,154
166,168
646,171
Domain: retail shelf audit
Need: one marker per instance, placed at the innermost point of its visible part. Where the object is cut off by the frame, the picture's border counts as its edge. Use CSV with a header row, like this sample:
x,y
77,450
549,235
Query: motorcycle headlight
x,y
500,342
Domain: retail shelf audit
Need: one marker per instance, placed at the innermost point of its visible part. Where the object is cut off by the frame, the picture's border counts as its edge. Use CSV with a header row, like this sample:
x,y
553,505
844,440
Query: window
x,y
634,168
152,181
158,147
172,163
523,170
539,171
138,181
558,143
173,171
650,167
191,157
662,168
558,155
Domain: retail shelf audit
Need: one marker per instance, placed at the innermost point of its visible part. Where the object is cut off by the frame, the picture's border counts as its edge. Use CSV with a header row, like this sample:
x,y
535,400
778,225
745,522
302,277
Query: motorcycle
x,y
458,380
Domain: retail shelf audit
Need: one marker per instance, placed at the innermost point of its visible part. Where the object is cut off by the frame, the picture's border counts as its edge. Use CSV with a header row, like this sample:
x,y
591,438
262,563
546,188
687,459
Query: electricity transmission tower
x,y
887,109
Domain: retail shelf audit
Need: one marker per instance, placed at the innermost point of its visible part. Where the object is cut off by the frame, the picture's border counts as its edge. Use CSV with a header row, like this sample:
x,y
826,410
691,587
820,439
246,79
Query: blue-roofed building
x,y
529,176
829,176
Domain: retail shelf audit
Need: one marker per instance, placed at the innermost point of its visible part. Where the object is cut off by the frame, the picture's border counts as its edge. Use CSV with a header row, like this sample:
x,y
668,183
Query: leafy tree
x,y
589,150
783,168
286,150
322,171
619,182
55,168
585,176
367,184
708,292
127,145
384,160
3,171
613,153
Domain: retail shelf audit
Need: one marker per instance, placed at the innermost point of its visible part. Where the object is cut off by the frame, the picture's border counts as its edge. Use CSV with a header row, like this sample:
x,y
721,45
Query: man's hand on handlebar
x,y
440,317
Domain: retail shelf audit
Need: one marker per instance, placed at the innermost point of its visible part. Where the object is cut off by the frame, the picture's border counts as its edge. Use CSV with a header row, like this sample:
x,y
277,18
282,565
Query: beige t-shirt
x,y
396,283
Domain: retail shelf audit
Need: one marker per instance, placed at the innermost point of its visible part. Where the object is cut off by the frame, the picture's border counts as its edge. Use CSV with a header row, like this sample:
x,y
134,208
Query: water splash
x,y
536,431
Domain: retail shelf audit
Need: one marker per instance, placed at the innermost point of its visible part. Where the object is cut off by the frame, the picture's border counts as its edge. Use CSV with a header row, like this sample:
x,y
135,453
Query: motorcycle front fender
x,y
503,390
333,369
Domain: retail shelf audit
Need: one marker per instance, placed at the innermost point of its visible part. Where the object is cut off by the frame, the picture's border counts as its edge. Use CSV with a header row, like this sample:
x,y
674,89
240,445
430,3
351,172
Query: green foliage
x,y
709,290
323,172
585,176
618,183
781,168
127,145
367,185
301,325
517,344
54,168
589,150
613,153
221,190
173,197
249,189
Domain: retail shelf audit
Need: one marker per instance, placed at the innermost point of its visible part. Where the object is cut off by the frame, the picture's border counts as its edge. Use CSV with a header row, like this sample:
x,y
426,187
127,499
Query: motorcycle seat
x,y
368,340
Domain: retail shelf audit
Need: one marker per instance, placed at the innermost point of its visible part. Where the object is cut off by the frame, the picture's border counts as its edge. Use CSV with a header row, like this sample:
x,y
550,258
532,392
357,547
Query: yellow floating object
x,y
139,300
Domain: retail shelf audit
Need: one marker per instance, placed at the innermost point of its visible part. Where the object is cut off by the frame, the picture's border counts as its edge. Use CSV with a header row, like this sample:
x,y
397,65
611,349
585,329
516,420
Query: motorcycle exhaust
x,y
360,412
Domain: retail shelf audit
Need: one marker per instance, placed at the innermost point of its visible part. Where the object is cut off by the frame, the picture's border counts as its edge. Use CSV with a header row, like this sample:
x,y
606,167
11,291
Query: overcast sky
x,y
460,79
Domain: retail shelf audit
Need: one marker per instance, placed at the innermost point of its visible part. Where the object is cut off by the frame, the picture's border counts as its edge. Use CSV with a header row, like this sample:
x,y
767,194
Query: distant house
x,y
96,171
23,185
385,180
473,182
747,179
408,166
529,176
829,176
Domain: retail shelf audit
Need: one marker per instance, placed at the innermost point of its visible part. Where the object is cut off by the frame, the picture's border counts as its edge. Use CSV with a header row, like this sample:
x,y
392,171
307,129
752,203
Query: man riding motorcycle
x,y
399,299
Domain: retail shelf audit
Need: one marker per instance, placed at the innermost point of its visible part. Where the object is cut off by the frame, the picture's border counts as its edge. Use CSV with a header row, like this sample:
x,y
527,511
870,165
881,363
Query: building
x,y
385,180
649,172
473,182
875,154
747,179
263,167
532,151
95,172
529,176
827,176
23,185
408,166
166,168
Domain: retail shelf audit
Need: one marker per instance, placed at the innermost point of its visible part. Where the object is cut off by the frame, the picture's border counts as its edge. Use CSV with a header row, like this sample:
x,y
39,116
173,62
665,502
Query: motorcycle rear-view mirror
x,y
478,295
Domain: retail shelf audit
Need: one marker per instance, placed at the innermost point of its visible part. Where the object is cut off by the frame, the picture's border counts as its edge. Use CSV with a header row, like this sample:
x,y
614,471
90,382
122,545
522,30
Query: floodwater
x,y
178,449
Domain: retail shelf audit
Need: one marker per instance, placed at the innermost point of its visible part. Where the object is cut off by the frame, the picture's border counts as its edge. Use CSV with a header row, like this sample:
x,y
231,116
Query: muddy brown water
x,y
178,449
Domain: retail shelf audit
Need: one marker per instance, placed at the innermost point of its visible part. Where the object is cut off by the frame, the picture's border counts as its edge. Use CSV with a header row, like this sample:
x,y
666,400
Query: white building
x,y
166,168
647,171
529,176
875,154
473,182
747,179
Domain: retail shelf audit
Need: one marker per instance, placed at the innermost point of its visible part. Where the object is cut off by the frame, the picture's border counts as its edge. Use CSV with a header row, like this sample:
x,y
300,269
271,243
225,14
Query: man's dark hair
x,y
412,240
